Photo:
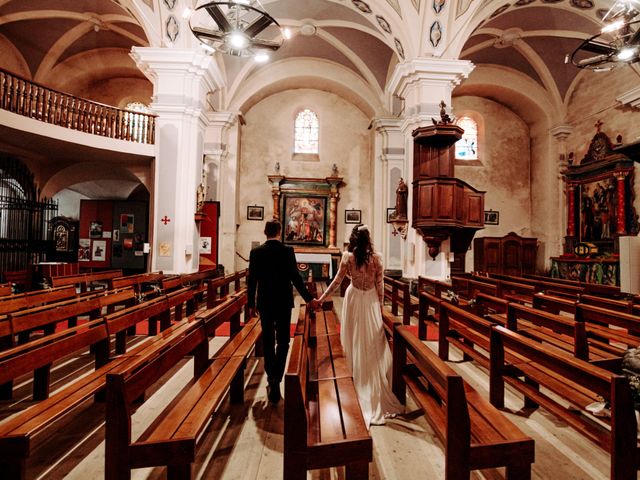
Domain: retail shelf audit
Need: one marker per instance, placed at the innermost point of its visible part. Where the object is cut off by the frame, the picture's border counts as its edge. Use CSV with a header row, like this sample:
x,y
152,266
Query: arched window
x,y
306,132
137,122
467,146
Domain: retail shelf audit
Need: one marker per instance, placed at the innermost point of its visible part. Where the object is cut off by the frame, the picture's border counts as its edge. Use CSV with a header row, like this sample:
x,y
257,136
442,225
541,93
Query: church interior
x,y
487,146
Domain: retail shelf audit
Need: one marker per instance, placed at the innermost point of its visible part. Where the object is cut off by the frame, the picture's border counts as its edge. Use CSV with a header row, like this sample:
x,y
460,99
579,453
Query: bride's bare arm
x,y
342,272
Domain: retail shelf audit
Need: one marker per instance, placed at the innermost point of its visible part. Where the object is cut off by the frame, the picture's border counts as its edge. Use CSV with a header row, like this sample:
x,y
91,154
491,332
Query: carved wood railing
x,y
33,100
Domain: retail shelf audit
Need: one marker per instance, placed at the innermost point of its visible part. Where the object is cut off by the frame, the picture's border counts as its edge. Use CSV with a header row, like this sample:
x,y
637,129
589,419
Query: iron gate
x,y
23,218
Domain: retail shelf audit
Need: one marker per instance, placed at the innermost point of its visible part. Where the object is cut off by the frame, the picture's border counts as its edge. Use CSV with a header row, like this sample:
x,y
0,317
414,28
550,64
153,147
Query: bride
x,y
361,333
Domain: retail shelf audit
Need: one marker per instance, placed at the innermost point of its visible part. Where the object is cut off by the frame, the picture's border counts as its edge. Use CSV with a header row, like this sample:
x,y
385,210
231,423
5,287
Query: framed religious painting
x,y
304,220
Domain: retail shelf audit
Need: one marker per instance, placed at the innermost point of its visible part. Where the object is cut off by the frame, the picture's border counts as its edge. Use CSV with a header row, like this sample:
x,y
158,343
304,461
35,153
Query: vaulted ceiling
x,y
534,37
49,37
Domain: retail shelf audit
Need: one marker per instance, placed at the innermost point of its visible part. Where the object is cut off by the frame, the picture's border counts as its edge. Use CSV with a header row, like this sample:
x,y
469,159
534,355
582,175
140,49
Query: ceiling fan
x,y
236,27
618,43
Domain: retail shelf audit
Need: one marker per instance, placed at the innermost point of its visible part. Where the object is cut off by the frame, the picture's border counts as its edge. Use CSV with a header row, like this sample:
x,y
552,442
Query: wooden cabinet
x,y
508,255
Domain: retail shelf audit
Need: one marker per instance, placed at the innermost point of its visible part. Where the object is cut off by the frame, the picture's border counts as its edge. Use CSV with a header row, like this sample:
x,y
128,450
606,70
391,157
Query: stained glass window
x,y
306,132
467,146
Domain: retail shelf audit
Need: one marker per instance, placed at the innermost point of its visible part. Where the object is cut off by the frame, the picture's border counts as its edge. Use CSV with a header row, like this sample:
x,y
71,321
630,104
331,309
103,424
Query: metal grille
x,y
23,218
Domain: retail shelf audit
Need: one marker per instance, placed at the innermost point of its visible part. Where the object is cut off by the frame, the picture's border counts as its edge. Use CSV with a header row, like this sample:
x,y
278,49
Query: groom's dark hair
x,y
272,228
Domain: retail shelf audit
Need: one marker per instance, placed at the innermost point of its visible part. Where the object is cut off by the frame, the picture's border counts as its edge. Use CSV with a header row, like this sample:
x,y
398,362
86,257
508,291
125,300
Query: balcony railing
x,y
32,100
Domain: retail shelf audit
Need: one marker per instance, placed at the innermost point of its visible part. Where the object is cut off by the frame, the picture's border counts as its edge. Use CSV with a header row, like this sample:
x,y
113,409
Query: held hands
x,y
314,304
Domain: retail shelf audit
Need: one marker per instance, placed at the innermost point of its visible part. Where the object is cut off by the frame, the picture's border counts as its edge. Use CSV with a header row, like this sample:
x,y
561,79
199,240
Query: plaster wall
x,y
267,138
117,91
505,170
593,99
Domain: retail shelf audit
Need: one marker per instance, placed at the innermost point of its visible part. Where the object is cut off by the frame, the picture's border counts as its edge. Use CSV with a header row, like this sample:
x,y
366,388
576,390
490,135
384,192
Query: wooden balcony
x,y
33,100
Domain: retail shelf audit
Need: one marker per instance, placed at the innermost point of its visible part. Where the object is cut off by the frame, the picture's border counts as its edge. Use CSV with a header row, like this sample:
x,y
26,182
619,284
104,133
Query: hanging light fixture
x,y
618,43
236,27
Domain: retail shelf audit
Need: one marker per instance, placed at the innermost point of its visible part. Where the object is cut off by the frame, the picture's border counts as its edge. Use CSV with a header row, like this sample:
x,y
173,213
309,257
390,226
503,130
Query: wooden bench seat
x,y
475,434
19,301
5,289
397,293
172,439
47,316
18,434
38,356
324,426
577,383
87,281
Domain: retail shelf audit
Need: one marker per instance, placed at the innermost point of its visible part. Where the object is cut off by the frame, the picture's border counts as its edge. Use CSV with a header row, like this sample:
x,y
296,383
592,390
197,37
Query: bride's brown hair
x,y
360,244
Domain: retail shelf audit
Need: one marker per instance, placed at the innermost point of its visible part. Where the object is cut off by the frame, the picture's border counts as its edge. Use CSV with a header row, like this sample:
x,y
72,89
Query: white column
x,y
221,155
423,83
389,166
561,133
181,78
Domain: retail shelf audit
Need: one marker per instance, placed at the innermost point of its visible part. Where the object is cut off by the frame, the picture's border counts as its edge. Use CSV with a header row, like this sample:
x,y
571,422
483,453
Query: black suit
x,y
272,269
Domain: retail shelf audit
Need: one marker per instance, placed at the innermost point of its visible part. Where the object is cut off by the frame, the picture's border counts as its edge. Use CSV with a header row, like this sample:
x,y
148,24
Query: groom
x,y
272,269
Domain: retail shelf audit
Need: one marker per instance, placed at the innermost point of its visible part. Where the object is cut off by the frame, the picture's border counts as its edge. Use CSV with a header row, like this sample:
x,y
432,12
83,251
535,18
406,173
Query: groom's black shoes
x,y
273,392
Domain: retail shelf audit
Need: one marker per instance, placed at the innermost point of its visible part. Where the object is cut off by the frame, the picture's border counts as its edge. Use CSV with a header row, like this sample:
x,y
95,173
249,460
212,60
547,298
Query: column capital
x,y
432,71
154,62
222,119
561,131
386,124
631,98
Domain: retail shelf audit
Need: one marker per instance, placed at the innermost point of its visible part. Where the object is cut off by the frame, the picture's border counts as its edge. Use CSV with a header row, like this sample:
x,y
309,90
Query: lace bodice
x,y
365,277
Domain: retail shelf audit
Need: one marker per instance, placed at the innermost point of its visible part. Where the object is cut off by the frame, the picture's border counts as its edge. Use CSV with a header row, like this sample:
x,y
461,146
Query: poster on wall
x,y
127,222
98,250
84,250
116,235
128,243
95,229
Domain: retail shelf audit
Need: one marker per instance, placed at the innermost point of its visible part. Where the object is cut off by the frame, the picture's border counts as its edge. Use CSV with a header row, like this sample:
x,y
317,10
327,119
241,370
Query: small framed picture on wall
x,y
255,212
491,217
352,216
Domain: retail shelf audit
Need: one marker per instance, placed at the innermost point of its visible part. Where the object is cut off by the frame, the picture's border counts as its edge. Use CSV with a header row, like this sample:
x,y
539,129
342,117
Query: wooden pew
x,y
578,383
19,301
143,283
465,330
561,332
219,288
428,303
476,286
156,310
47,316
599,321
323,423
128,385
84,281
517,292
488,306
607,329
5,289
19,433
397,293
589,288
474,433
434,287
38,356
171,440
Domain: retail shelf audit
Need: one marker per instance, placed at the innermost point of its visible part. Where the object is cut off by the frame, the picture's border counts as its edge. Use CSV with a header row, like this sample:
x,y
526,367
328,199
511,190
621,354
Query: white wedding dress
x,y
363,339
